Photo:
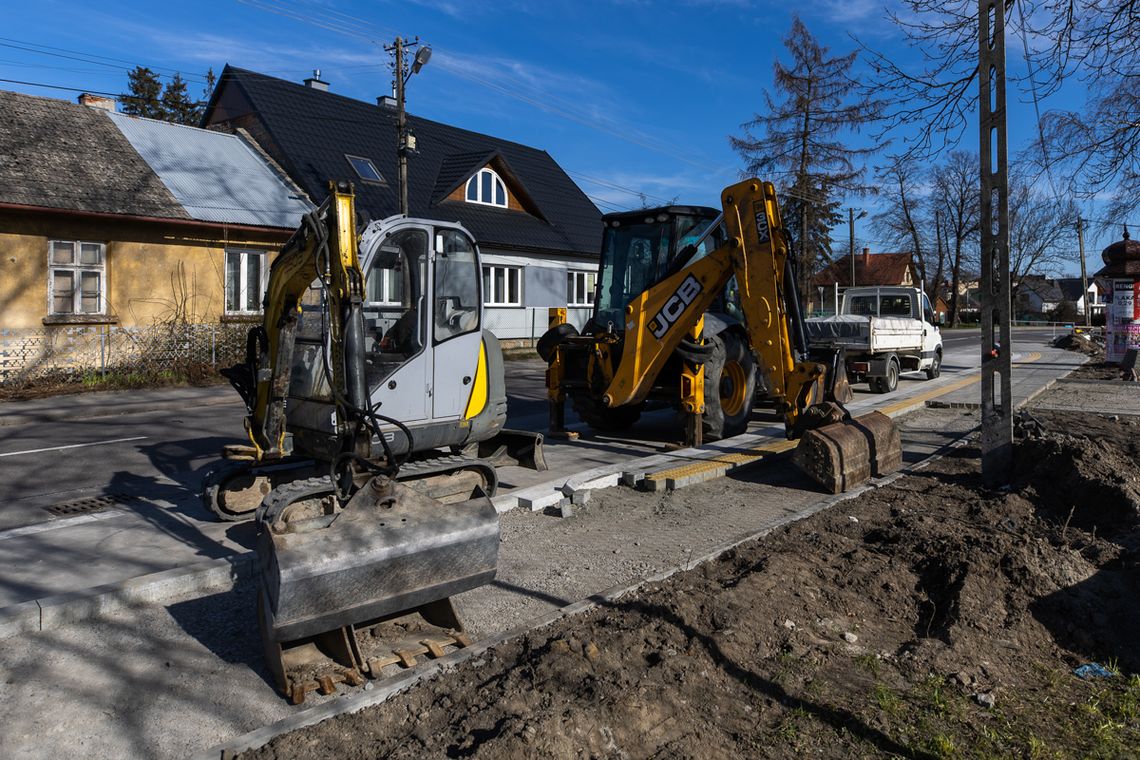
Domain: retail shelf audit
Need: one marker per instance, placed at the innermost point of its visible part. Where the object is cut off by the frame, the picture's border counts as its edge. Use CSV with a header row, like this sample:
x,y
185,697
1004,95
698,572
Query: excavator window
x,y
394,285
456,286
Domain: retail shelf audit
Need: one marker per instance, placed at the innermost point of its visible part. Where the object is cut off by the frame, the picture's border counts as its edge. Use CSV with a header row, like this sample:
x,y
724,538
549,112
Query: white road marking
x,y
74,446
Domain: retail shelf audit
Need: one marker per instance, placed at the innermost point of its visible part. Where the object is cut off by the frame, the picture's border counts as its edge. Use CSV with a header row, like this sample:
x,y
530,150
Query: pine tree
x,y
177,104
794,142
144,96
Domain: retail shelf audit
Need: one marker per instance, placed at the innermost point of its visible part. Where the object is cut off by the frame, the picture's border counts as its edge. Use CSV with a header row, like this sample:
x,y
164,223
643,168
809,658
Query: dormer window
x,y
486,187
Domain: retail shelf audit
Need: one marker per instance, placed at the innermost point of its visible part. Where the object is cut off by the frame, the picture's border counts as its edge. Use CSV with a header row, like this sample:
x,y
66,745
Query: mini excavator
x,y
376,403
699,310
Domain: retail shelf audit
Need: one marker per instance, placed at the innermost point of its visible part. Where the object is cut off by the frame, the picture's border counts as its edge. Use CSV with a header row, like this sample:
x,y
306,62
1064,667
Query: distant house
x,y
108,220
870,269
1094,299
538,233
1036,298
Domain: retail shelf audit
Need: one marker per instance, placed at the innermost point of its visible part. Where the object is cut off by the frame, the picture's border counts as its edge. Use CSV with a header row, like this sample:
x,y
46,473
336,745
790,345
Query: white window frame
x,y
77,269
496,181
491,297
580,288
385,286
243,285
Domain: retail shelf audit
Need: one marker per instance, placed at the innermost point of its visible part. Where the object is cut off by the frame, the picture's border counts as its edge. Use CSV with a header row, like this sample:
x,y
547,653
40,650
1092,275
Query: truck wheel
x,y
890,381
730,385
603,418
935,368
552,337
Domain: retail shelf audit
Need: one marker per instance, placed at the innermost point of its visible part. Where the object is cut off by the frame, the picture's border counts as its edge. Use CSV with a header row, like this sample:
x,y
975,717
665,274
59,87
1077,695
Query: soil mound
x,y
930,617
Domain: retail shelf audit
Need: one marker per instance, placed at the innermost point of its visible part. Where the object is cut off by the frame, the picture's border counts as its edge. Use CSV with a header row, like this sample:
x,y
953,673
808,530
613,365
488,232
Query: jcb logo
x,y
762,229
675,306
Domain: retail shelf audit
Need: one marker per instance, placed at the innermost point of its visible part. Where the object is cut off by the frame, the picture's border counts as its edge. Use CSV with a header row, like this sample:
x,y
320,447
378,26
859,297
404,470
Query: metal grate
x,y
88,505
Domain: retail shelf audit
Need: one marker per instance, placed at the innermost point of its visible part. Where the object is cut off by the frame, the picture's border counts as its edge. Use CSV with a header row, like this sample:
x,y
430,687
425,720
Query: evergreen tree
x,y
176,102
144,96
794,143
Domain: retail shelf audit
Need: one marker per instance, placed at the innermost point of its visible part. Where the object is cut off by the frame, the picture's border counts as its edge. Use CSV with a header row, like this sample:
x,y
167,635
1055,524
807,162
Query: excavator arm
x,y
756,252
324,248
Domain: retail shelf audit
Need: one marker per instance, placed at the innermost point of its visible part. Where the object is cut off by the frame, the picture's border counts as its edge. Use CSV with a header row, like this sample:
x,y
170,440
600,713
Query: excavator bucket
x,y
348,593
844,455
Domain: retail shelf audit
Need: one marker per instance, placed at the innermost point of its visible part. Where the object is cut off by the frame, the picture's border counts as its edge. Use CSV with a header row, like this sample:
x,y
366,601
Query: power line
x,y
32,47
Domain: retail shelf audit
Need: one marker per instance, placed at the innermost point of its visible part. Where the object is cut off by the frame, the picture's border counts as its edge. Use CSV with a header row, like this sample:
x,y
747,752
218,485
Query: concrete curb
x,y
46,613
353,703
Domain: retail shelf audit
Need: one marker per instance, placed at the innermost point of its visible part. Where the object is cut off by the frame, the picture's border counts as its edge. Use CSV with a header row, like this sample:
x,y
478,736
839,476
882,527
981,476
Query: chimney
x,y
866,257
386,101
97,101
315,82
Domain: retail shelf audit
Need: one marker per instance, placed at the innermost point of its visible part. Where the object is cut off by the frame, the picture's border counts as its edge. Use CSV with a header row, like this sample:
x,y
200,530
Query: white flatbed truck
x,y
885,331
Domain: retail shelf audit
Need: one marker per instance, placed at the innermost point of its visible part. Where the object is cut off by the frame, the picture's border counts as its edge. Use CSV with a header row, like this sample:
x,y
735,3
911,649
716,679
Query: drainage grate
x,y
89,505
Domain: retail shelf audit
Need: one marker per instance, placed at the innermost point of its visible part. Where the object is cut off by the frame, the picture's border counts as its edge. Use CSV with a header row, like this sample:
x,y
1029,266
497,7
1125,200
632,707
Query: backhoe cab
x,y
698,310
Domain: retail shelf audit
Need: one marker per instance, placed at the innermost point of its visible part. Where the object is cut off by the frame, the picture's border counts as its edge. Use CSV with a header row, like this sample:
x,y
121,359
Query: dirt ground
x,y
933,617
1096,368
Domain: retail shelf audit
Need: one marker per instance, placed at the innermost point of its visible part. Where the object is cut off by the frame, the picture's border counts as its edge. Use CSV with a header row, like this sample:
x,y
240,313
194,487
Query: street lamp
x,y
851,228
405,140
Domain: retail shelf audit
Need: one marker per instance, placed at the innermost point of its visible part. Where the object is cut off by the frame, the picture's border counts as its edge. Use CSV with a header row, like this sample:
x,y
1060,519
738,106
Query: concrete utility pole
x,y
1084,276
997,403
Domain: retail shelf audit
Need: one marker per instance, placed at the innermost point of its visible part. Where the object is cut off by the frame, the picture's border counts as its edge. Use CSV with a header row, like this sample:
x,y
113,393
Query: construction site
x,y
431,453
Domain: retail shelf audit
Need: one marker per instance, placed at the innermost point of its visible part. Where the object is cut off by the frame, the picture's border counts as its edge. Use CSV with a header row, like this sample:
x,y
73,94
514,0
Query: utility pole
x,y
405,140
1084,276
401,128
996,385
851,241
937,251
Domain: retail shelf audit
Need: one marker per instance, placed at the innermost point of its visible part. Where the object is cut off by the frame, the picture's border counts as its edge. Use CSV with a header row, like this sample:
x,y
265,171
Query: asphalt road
x,y
162,454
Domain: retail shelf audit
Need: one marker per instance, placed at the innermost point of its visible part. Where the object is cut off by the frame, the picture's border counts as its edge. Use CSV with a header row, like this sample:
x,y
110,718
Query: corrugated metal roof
x,y
217,177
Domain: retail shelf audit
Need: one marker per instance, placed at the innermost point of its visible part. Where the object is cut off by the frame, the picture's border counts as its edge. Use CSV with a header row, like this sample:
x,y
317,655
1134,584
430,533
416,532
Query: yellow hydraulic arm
x,y
756,252
323,248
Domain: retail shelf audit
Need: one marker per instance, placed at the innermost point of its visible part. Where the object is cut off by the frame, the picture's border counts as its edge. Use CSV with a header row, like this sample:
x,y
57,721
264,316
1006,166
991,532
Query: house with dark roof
x,y
1095,299
538,233
1036,297
869,269
107,219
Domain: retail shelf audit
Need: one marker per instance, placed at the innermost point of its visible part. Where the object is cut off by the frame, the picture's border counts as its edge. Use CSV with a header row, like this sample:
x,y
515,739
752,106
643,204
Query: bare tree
x,y
796,142
1089,41
1041,233
902,224
956,193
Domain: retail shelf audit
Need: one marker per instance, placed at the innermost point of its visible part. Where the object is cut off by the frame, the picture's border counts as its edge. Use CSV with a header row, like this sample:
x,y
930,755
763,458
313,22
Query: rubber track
x,y
306,488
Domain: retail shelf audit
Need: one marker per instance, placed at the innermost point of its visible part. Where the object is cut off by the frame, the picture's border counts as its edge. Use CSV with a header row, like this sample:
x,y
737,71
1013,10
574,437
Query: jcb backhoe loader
x,y
699,310
354,384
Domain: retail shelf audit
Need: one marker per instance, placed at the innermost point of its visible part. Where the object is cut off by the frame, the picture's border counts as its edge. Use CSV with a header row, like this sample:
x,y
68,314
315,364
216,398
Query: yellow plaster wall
x,y
154,272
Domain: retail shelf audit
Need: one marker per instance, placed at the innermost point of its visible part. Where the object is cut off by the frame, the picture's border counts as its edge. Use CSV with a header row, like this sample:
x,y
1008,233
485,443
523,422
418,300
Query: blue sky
x,y
629,96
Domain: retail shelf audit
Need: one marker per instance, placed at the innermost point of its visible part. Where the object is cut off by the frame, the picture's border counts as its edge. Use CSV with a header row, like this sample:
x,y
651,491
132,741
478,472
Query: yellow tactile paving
x,y
757,453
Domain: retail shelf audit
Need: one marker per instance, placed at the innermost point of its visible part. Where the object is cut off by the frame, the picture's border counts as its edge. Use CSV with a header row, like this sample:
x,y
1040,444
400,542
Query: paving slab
x,y
1094,396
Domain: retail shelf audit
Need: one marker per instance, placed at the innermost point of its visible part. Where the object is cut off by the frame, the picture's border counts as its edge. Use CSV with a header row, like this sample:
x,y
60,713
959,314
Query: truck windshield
x,y
637,255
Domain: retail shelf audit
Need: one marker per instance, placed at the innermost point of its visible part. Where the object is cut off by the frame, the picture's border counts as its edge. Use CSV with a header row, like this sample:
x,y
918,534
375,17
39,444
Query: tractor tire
x,y
603,418
730,386
552,337
935,369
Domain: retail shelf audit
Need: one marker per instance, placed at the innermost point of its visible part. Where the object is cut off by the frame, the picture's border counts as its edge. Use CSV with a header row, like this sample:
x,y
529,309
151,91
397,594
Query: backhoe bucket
x,y
844,455
348,594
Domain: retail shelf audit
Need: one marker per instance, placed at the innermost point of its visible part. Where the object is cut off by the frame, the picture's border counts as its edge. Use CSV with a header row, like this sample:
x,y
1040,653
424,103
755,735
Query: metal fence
x,y
72,353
